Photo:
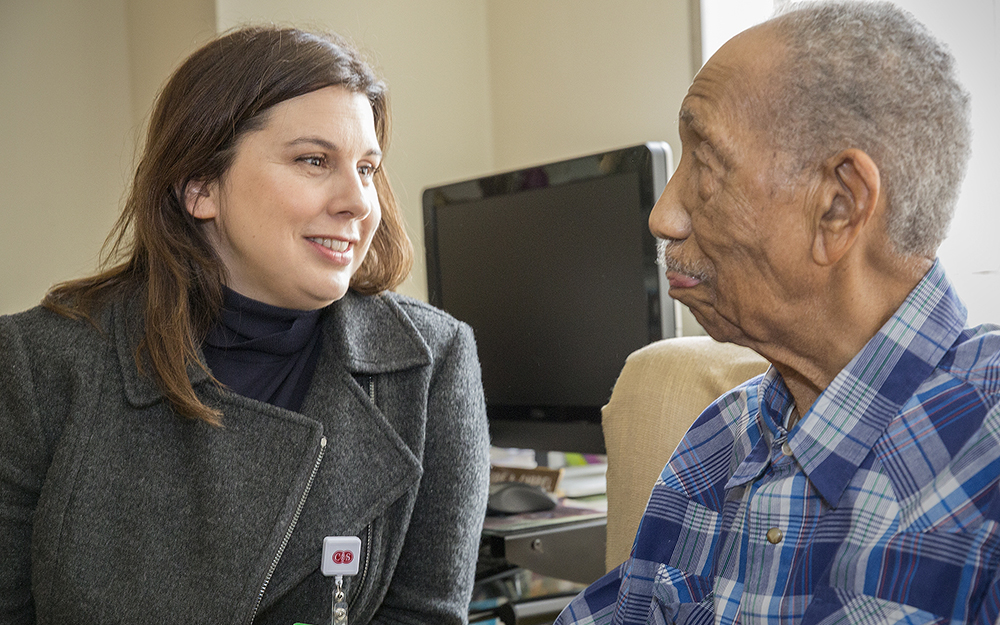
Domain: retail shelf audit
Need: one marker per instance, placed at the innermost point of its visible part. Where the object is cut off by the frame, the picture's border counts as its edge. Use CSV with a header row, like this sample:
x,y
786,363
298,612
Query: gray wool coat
x,y
113,509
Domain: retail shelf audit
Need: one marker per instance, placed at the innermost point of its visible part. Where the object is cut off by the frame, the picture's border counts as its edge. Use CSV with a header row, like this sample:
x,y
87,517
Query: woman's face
x,y
294,216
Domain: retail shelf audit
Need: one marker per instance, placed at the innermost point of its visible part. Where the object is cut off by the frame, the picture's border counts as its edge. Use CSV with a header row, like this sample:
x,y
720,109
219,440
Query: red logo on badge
x,y
343,557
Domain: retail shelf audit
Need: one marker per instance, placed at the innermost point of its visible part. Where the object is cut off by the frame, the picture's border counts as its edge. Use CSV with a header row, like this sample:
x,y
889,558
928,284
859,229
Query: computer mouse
x,y
517,498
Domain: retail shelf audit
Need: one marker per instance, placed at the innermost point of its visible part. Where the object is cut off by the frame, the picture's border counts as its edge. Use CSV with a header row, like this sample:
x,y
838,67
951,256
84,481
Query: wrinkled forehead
x,y
737,88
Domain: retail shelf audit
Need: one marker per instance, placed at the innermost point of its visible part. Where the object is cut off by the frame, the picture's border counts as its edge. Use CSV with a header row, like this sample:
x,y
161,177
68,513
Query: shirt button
x,y
774,536
786,448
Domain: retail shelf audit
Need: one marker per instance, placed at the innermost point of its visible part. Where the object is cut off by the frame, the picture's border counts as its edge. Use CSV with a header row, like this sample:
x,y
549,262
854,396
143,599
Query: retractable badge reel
x,y
340,558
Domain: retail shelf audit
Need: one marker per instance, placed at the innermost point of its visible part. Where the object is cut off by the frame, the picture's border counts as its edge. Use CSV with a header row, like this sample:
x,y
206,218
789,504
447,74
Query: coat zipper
x,y
364,570
291,528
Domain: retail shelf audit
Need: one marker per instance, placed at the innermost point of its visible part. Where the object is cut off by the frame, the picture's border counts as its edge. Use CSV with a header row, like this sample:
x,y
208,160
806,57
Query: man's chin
x,y
714,324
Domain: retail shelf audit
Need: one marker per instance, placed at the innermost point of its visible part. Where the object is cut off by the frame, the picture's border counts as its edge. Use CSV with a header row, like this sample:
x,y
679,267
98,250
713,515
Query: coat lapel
x,y
366,336
362,335
369,335
127,324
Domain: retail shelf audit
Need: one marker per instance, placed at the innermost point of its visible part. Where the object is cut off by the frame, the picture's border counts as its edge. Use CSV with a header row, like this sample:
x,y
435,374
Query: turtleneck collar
x,y
262,351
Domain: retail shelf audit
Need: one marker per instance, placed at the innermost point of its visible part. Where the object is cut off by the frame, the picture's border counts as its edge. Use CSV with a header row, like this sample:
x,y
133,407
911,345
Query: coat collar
x,y
372,334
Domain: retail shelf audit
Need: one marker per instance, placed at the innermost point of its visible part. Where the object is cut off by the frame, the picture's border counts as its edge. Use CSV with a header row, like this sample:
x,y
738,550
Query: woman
x,y
182,430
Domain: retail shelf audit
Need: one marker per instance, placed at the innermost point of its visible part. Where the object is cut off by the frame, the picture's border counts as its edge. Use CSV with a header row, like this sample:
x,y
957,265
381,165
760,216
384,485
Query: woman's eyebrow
x,y
327,145
323,143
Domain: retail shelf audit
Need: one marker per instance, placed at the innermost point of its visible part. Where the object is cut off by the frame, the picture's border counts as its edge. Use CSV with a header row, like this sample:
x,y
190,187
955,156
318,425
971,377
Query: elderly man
x,y
857,480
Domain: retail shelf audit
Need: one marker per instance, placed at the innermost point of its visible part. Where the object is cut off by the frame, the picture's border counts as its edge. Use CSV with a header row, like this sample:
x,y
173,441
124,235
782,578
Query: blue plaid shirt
x,y
881,505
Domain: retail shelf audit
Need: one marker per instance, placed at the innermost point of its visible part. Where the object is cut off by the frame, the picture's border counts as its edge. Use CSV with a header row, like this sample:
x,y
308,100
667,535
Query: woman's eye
x,y
366,170
315,161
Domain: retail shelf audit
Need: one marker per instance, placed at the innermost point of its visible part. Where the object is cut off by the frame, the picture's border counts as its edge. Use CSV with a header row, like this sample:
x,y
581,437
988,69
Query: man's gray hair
x,y
868,75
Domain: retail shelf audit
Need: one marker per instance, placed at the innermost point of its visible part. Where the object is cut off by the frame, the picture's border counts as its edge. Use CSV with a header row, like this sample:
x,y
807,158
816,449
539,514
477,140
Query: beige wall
x,y
160,36
571,77
65,124
476,86
77,80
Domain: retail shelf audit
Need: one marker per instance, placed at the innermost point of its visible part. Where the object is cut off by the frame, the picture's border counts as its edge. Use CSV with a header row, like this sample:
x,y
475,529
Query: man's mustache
x,y
664,258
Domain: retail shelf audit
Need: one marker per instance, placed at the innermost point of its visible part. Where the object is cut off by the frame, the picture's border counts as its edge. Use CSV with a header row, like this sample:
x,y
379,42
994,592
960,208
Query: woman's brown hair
x,y
156,249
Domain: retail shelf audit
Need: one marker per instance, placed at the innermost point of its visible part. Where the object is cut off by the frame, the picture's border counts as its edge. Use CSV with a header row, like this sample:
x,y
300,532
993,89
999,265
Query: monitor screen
x,y
554,268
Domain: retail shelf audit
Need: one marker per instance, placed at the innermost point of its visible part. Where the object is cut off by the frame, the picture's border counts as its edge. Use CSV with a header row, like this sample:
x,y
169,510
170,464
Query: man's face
x,y
738,234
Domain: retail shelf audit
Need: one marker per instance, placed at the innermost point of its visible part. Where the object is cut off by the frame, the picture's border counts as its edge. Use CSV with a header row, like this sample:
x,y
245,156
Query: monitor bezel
x,y
560,428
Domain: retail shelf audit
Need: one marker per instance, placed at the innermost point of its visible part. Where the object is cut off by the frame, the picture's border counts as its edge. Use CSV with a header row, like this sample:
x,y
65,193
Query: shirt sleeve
x,y
989,609
23,463
596,604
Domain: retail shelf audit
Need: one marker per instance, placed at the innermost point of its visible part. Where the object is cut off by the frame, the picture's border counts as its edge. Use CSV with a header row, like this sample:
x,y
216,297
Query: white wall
x,y
721,19
971,253
971,29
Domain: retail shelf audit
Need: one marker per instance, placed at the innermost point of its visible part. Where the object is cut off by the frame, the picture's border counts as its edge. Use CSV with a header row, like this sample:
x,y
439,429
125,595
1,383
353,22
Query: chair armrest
x,y
660,392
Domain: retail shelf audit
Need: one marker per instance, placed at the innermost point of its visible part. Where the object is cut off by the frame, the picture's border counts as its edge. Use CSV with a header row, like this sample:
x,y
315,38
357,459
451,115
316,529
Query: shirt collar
x,y
838,432
776,400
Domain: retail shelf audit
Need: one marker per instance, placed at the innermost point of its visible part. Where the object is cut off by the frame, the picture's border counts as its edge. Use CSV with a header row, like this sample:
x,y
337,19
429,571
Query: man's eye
x,y
704,154
707,170
705,176
705,183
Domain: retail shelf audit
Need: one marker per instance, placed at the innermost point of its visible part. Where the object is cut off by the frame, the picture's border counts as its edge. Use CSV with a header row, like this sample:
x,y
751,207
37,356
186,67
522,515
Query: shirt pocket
x,y
699,611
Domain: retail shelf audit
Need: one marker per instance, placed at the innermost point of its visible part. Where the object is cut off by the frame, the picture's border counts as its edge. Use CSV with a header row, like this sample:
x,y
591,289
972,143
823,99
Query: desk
x,y
531,565
572,549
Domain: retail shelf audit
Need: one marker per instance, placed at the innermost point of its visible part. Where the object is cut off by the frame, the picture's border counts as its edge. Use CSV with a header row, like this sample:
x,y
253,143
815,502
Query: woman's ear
x,y
850,196
200,199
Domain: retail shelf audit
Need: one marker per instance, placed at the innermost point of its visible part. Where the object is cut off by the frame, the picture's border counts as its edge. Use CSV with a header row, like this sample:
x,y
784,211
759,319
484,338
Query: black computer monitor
x,y
555,270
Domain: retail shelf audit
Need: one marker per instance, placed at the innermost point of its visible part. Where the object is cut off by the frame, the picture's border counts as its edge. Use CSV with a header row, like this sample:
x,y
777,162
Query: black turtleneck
x,y
264,352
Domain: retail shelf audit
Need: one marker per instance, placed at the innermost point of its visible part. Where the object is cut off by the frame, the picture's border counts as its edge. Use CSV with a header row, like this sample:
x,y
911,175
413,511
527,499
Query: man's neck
x,y
846,313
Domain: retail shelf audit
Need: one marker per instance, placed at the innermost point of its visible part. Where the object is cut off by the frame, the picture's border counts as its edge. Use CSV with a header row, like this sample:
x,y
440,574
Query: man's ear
x,y
201,199
850,193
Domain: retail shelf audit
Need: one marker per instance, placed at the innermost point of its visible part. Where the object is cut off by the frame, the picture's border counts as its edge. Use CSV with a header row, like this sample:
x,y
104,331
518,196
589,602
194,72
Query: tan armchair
x,y
661,390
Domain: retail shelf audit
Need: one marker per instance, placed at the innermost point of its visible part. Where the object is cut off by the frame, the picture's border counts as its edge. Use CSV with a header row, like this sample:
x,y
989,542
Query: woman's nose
x,y
354,195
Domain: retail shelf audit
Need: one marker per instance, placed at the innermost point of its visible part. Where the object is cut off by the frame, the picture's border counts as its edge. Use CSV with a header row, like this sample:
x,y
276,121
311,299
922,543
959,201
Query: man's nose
x,y
669,219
